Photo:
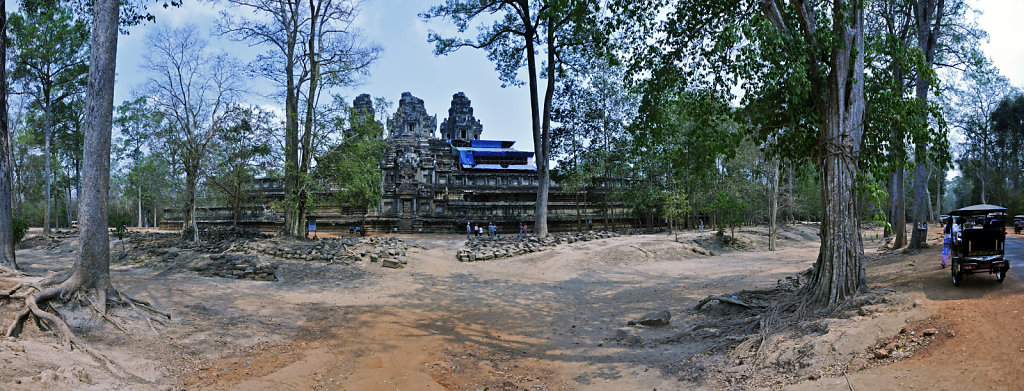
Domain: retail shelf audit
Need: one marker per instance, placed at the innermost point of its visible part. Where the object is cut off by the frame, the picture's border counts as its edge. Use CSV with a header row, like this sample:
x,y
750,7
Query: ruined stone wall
x,y
424,189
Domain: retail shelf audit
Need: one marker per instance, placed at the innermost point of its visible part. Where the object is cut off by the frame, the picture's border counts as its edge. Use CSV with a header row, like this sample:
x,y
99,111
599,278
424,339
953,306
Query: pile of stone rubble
x,y
220,234
486,248
249,267
243,255
389,251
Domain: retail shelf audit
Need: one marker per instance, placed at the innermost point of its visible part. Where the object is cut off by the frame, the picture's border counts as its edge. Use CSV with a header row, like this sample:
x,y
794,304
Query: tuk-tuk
x,y
1018,224
978,245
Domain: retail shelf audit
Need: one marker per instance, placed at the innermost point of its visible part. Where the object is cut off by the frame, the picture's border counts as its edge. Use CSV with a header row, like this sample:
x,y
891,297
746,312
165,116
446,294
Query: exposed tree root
x,y
724,300
42,298
646,254
8,272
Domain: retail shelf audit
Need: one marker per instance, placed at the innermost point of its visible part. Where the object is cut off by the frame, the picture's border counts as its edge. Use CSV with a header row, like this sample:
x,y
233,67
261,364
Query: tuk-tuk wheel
x,y
957,276
1000,276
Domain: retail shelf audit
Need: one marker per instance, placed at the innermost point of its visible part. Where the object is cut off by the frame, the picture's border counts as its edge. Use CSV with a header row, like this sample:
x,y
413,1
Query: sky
x,y
1002,20
408,63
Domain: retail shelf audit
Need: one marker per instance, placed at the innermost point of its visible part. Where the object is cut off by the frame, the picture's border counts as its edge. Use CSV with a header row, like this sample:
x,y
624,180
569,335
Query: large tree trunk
x,y
917,237
941,181
840,269
140,202
540,222
92,267
91,270
78,182
292,181
924,12
46,162
188,207
7,258
899,210
308,128
791,203
773,205
68,205
890,206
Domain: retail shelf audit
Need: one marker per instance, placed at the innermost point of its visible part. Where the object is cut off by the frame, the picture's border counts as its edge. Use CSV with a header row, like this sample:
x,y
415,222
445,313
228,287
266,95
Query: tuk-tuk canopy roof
x,y
977,210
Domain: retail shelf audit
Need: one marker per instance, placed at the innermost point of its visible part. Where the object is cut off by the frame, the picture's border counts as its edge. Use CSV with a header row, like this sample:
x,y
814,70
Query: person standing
x,y
701,224
590,225
947,241
469,230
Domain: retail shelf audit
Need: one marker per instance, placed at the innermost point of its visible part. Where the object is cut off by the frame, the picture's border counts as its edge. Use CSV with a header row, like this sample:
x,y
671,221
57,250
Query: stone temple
x,y
439,183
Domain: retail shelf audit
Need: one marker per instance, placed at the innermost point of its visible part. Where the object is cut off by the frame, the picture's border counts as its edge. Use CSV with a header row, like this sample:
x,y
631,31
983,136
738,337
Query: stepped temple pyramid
x,y
438,183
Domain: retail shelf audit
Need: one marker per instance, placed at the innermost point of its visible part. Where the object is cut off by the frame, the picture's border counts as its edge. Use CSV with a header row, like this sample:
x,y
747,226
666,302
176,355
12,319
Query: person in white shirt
x,y
956,229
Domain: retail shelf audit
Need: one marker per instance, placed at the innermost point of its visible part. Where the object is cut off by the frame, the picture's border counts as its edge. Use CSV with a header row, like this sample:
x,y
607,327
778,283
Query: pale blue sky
x,y
408,63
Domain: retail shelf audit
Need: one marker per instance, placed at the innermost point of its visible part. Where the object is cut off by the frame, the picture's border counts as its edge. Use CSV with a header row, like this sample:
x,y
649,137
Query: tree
x,y
314,46
592,109
195,90
805,56
67,142
891,115
932,23
351,166
523,28
50,62
87,284
8,262
677,206
970,105
138,123
242,150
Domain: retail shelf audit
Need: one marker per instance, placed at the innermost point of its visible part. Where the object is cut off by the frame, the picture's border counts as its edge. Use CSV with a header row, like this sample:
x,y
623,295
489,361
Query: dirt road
x,y
983,348
543,321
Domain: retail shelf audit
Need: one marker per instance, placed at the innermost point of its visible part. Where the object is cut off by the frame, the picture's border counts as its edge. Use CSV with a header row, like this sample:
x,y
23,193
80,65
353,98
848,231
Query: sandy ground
x,y
541,321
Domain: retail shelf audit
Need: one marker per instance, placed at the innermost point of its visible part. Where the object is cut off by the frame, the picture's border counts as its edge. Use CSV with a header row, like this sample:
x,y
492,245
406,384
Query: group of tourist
x,y
354,230
492,230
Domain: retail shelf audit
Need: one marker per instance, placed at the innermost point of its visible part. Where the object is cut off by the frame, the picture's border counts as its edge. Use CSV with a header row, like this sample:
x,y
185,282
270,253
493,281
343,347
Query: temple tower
x,y
461,124
411,120
363,109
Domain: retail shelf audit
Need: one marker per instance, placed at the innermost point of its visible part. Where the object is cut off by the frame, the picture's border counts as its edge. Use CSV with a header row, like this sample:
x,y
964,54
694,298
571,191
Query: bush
x,y
20,229
116,218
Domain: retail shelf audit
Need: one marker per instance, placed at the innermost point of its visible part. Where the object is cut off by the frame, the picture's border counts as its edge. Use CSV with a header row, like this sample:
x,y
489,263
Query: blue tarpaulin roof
x,y
466,157
497,152
491,143
520,167
493,149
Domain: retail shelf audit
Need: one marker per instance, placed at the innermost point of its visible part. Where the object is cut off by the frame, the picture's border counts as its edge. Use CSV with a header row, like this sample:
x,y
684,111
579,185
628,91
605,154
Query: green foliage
x,y
119,217
677,205
731,209
20,229
982,106
51,49
242,153
877,195
351,166
120,231
571,24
